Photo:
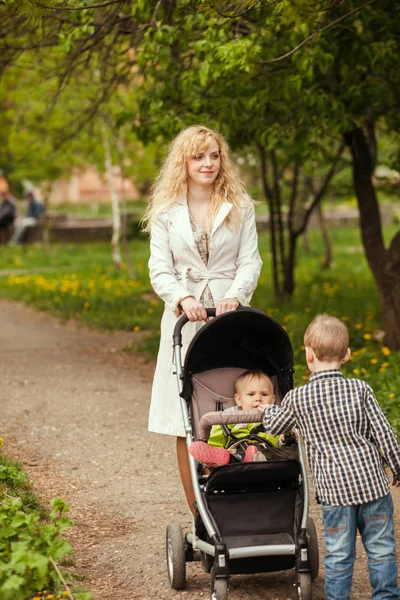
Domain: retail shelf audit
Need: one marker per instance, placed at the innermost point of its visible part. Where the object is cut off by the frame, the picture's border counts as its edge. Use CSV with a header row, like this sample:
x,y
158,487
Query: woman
x,y
204,253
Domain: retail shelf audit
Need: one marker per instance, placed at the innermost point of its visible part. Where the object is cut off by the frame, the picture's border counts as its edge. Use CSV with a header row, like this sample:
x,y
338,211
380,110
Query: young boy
x,y
347,438
253,390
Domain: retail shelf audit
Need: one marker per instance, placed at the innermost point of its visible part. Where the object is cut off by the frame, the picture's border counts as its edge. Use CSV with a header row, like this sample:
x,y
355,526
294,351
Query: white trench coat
x,y
177,271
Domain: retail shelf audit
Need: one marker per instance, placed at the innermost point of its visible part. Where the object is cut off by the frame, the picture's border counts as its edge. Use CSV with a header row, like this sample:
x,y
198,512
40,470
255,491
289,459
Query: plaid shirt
x,y
346,436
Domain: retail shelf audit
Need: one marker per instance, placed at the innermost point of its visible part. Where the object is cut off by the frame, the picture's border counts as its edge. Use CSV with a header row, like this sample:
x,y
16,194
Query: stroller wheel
x,y
219,588
313,548
304,590
175,546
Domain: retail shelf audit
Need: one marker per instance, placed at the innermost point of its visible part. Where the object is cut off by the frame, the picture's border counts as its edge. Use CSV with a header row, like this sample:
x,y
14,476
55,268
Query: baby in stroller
x,y
253,390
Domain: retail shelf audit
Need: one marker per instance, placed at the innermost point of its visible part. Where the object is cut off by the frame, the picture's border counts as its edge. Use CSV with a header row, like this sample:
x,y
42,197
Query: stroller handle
x,y
220,418
177,337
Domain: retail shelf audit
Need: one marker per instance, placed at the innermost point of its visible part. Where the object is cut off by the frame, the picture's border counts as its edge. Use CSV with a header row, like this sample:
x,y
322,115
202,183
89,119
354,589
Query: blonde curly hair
x,y
171,183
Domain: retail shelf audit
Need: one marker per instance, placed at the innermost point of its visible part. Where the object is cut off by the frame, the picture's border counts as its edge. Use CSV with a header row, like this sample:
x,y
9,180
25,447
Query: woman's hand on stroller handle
x,y
226,305
193,309
220,418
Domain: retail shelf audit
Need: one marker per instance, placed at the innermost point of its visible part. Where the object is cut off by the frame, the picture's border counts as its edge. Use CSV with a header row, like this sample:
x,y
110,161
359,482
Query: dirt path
x,y
74,409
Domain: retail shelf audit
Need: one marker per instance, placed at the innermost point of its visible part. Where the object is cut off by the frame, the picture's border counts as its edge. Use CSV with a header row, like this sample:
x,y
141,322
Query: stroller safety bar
x,y
220,418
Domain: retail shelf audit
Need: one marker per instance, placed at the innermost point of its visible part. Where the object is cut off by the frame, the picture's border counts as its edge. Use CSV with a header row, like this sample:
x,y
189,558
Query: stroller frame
x,y
214,553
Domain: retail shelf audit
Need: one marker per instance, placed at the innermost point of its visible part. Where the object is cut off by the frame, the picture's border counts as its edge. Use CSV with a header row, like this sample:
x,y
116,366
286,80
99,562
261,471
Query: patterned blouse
x,y
201,239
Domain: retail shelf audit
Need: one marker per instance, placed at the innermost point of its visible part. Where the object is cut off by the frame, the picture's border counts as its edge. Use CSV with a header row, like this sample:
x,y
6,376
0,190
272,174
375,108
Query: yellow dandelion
x,y
50,597
356,371
385,365
390,395
358,326
1,442
367,336
363,370
136,328
386,351
305,377
373,361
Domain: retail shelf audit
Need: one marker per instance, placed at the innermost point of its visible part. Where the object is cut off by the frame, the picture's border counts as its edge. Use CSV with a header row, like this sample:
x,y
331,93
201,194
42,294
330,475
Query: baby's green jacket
x,y
241,430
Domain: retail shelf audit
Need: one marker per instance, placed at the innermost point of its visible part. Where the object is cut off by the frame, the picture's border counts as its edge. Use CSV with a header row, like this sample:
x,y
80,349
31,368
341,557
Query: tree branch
x,y
318,31
318,196
75,8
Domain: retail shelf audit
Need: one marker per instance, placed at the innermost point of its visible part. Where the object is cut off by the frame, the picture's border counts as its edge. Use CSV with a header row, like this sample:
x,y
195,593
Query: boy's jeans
x,y
374,520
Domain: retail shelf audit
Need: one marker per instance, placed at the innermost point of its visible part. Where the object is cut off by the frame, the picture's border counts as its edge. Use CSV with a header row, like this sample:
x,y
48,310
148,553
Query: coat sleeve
x,y
161,265
248,262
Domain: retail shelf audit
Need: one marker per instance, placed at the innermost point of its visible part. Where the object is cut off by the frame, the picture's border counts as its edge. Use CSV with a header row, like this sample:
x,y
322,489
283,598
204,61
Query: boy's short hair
x,y
328,337
253,374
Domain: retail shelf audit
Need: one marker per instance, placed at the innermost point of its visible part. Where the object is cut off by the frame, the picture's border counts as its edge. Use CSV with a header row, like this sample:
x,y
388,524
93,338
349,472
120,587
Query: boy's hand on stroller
x,y
226,305
193,309
289,439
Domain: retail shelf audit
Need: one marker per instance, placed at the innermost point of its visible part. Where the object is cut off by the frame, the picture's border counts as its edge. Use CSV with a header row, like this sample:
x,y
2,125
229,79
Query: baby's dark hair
x,y
251,373
328,337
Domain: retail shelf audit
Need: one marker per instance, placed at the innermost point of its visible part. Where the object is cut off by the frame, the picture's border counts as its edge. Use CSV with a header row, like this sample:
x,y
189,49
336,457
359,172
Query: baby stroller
x,y
250,517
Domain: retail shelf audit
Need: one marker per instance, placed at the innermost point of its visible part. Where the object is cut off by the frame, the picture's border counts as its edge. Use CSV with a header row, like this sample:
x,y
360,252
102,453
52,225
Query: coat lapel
x,y
223,211
179,217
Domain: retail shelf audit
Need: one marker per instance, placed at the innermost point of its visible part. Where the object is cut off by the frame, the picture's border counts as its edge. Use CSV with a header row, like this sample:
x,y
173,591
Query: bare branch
x,y
240,13
319,195
75,8
317,32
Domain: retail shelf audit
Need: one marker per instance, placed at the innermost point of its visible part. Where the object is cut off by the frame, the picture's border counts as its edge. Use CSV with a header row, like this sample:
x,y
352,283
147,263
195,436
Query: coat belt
x,y
196,276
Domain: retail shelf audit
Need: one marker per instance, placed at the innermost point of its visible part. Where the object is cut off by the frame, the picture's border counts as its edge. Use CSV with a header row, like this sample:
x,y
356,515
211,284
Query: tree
x,y
287,76
341,84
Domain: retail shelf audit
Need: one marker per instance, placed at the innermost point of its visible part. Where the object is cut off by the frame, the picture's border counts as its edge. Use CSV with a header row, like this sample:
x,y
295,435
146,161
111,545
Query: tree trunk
x,y
325,236
272,225
384,264
294,233
116,214
288,280
128,257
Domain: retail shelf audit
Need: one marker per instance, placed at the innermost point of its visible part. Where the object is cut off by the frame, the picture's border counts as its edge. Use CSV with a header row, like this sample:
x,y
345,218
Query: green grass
x,y
85,285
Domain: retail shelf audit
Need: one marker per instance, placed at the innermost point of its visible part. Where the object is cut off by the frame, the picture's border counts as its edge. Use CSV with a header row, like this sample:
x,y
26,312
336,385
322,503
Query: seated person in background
x,y
34,211
8,210
253,390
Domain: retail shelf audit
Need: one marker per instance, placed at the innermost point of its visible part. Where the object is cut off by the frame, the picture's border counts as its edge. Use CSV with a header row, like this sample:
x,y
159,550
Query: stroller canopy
x,y
245,338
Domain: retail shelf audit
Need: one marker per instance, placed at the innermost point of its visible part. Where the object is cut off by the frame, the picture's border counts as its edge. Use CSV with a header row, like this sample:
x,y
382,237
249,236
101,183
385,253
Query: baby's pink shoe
x,y
209,455
250,453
